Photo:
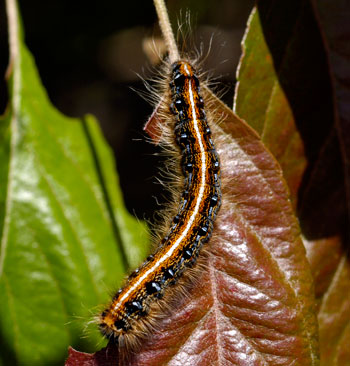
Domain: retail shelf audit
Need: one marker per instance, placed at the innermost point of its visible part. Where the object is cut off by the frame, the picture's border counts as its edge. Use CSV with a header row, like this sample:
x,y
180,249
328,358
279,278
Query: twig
x,y
167,31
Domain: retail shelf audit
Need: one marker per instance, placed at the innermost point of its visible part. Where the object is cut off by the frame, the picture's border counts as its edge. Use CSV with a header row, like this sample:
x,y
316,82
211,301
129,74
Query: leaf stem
x,y
11,8
14,68
166,29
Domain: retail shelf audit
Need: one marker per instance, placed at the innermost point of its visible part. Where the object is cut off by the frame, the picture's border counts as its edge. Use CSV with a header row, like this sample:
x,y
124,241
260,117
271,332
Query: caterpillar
x,y
192,225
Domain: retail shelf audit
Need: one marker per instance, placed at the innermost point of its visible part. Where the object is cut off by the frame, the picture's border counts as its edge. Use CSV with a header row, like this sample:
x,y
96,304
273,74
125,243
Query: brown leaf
x,y
331,269
254,302
105,357
261,101
331,255
282,92
324,256
285,46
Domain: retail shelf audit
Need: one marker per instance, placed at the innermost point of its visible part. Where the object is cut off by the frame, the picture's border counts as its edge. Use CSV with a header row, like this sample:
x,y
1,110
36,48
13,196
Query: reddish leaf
x,y
331,269
152,125
278,34
331,255
282,92
254,302
262,102
106,356
324,256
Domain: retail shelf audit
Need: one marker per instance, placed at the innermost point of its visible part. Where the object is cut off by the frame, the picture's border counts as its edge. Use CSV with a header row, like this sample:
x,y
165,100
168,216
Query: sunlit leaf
x,y
63,224
254,303
282,92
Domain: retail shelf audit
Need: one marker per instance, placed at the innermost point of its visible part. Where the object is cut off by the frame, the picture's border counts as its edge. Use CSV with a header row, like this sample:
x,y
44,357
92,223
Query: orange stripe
x,y
192,226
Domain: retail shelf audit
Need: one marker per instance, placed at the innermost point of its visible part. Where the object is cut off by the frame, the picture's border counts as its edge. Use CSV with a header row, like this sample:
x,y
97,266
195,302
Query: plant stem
x,y
166,29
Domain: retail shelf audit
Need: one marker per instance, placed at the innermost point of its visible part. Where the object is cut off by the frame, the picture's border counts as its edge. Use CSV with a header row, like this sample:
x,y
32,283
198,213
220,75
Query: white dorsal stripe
x,y
192,218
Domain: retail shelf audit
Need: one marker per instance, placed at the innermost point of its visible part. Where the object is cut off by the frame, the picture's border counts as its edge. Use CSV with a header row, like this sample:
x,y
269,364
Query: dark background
x,y
89,54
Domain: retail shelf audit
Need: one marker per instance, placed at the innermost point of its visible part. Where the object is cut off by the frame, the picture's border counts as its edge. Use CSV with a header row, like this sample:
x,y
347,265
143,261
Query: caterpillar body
x,y
192,225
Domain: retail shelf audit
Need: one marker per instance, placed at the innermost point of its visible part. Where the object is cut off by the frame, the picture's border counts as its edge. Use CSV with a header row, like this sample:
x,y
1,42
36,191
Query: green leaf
x,y
63,223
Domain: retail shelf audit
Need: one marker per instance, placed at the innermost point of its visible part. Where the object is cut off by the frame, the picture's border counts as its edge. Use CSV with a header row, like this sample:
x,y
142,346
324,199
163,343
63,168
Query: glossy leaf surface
x,y
61,212
277,36
253,303
284,96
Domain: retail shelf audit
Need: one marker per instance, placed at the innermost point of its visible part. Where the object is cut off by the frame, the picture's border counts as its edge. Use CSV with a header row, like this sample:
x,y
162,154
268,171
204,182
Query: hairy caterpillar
x,y
192,225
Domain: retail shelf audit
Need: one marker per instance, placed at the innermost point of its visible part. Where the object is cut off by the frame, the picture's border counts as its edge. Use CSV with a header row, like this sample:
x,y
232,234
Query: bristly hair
x,y
173,180
180,122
